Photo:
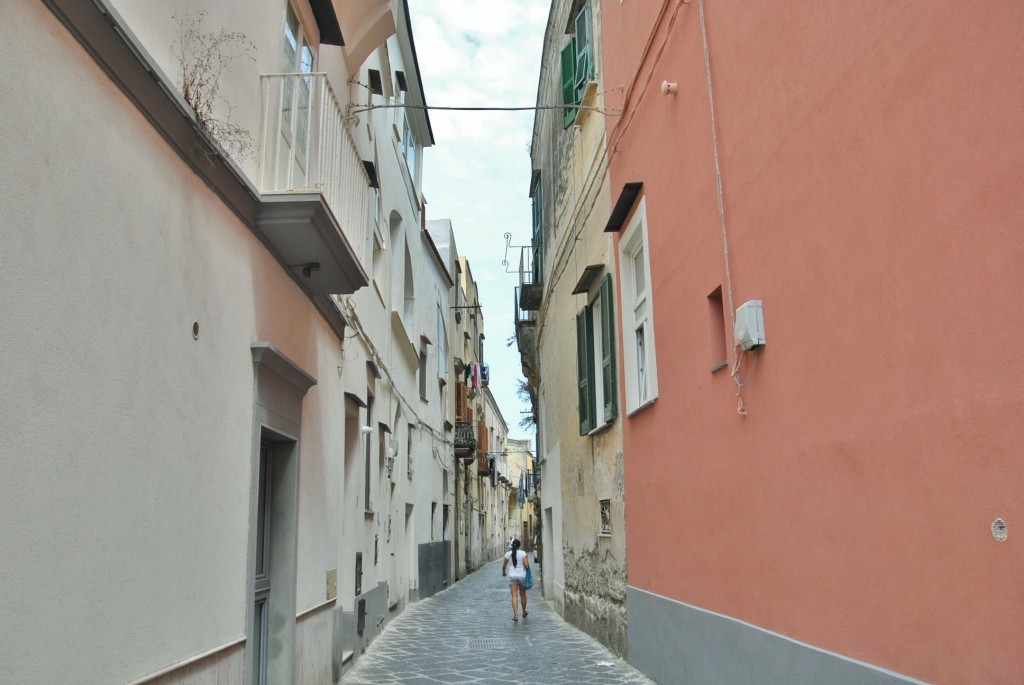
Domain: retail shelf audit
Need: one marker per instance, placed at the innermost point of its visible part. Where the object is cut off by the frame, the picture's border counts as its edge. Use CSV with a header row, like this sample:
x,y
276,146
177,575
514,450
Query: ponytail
x,y
515,553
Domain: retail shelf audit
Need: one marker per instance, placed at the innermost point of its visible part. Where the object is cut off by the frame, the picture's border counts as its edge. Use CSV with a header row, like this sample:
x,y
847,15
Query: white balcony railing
x,y
306,147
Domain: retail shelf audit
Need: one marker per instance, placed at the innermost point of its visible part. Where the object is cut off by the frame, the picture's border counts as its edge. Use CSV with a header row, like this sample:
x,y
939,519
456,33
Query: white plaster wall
x,y
112,414
321,471
394,349
127,448
157,23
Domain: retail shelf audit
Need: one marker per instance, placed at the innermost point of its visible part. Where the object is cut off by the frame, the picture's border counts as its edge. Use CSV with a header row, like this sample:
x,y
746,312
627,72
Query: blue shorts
x,y
520,581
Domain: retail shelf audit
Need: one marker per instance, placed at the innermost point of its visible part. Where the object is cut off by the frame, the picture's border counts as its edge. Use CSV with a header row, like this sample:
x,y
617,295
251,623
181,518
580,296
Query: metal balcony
x,y
316,209
465,439
531,284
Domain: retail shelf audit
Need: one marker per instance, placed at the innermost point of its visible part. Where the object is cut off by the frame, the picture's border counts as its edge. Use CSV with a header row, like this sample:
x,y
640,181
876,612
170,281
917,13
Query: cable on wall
x,y
353,320
650,75
740,408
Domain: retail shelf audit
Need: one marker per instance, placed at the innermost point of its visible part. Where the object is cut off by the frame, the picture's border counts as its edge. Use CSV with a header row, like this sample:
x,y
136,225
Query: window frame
x,y
585,55
538,232
423,365
604,507
299,56
577,63
442,345
369,439
596,359
410,149
641,368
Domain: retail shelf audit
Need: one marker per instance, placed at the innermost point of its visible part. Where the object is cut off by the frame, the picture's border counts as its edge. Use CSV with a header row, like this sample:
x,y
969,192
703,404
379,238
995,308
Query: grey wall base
x,y
672,642
434,567
376,616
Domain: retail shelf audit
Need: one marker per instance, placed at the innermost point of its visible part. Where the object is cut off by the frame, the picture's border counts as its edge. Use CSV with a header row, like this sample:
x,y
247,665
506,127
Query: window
x,y
298,58
369,449
442,346
606,517
423,371
376,82
412,427
716,319
595,359
637,313
359,573
409,288
458,292
377,260
409,148
383,456
376,209
538,234
577,64
396,243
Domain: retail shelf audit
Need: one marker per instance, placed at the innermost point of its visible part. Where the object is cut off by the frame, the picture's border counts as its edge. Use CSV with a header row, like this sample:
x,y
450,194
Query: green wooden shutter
x,y
585,369
609,377
568,84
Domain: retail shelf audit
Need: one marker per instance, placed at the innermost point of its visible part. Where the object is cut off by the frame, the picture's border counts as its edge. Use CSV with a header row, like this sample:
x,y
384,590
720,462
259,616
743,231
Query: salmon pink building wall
x,y
871,157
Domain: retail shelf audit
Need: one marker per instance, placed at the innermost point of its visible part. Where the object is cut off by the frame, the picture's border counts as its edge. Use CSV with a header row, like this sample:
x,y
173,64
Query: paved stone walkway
x,y
465,634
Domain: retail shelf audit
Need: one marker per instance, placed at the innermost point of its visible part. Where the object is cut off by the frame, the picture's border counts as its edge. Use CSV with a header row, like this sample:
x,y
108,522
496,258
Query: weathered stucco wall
x,y
588,568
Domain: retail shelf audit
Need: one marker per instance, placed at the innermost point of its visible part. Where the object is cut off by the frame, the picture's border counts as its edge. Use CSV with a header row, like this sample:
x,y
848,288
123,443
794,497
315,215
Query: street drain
x,y
498,642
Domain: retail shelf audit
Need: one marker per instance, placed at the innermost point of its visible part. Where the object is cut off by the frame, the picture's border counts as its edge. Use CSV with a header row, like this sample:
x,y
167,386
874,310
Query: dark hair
x,y
515,549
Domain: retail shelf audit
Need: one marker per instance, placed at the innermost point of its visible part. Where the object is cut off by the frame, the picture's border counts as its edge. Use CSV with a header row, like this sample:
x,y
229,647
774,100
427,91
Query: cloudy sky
x,y
483,53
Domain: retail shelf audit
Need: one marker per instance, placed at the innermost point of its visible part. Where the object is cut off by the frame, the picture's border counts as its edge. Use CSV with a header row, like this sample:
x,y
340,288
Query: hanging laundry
x,y
485,373
476,375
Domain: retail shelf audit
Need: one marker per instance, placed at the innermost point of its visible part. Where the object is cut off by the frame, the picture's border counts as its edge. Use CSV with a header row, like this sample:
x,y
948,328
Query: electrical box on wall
x,y
750,324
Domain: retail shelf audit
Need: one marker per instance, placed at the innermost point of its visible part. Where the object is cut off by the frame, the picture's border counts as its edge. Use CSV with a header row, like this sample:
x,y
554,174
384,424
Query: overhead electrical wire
x,y
534,108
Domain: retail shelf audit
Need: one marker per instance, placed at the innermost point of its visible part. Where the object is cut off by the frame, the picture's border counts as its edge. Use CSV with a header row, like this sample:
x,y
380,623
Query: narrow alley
x,y
466,635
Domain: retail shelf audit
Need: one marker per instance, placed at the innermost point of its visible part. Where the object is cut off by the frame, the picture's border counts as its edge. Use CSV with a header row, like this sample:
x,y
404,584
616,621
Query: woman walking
x,y
516,577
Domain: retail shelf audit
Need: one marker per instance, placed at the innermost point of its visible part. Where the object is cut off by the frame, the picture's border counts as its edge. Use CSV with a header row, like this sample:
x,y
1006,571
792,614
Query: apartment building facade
x,y
223,385
522,496
816,213
565,314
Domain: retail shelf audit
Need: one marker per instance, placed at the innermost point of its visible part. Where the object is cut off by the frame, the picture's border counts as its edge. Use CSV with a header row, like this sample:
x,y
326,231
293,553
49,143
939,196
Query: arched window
x,y
410,293
396,245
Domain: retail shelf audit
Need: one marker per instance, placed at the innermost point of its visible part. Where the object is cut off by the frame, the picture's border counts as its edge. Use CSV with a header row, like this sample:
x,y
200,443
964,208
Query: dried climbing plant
x,y
204,57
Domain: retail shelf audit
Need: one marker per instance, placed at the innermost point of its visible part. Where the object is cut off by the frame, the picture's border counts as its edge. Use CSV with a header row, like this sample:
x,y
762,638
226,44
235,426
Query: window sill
x,y
636,410
719,366
600,429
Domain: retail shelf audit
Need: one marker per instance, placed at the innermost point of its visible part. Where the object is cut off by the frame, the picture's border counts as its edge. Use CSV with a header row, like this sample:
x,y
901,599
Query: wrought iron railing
x,y
465,437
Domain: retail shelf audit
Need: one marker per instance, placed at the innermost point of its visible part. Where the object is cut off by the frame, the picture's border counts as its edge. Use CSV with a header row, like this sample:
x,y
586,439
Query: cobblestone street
x,y
465,634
